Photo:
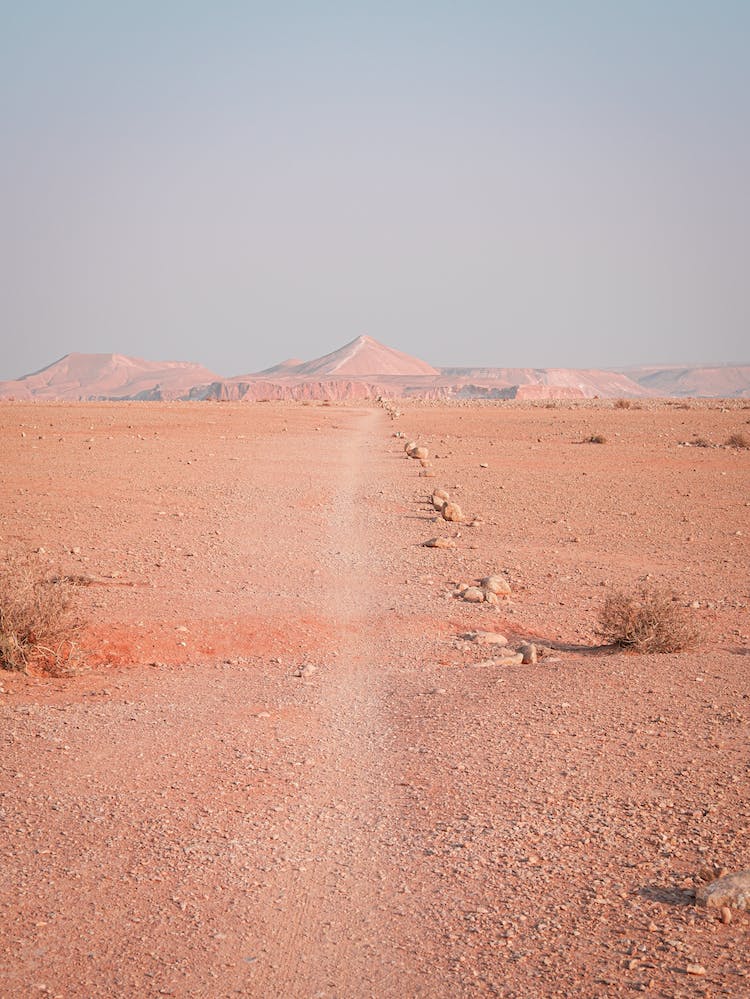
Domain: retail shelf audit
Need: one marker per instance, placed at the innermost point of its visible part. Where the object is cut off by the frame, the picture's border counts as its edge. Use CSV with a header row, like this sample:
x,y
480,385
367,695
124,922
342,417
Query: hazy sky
x,y
502,183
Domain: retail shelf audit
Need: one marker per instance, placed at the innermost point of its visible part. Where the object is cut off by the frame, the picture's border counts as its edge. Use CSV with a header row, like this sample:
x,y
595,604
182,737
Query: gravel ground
x,y
184,816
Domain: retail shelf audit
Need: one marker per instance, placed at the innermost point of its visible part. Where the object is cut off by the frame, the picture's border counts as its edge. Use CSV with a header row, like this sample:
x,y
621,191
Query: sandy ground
x,y
186,817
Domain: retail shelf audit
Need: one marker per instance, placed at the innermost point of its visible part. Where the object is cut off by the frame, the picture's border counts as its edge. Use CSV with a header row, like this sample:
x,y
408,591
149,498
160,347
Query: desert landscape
x,y
362,370
289,758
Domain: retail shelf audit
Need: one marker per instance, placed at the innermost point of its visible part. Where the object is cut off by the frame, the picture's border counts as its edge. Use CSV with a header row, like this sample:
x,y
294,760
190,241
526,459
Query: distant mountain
x,y
364,357
547,382
108,376
287,367
723,381
363,369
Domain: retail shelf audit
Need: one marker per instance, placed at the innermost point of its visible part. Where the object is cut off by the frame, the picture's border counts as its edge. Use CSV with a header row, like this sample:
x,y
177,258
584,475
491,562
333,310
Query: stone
x,y
409,446
439,543
441,495
419,453
731,891
427,473
695,969
486,638
490,597
529,654
496,584
473,595
475,522
510,659
506,659
307,670
452,512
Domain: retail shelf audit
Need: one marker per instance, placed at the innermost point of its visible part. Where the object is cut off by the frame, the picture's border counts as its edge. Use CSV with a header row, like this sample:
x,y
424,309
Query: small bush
x,y
739,440
649,620
38,625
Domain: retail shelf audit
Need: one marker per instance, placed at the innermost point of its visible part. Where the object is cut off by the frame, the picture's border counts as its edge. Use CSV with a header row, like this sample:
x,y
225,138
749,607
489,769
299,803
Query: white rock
x,y
732,891
487,638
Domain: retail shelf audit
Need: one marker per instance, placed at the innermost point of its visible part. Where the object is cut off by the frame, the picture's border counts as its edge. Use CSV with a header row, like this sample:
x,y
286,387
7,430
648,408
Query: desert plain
x,y
281,769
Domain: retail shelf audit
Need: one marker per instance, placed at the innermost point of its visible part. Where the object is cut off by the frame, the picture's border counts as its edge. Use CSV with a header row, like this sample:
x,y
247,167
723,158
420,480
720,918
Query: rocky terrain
x,y
295,763
361,370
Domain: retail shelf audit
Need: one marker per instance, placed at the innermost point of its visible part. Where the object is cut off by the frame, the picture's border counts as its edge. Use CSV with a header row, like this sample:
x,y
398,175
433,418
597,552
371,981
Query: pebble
x,y
529,654
307,670
505,659
452,512
486,638
439,543
496,584
695,969
473,595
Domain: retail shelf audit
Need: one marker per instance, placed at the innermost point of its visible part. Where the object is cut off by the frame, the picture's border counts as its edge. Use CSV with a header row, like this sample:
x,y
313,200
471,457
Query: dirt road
x,y
190,818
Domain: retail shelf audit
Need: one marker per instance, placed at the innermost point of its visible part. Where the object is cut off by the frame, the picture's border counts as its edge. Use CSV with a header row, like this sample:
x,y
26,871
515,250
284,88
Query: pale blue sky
x,y
508,183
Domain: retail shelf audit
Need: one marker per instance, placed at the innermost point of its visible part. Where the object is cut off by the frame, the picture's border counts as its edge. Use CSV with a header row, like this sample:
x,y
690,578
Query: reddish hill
x,y
108,376
364,357
724,381
542,383
287,367
363,369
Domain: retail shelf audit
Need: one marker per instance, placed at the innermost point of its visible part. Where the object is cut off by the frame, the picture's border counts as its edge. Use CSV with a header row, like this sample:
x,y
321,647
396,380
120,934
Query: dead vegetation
x,y
38,622
650,619
739,440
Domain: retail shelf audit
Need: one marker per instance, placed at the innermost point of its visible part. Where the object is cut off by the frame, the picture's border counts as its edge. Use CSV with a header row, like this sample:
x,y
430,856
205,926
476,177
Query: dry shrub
x,y
739,440
648,620
38,624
